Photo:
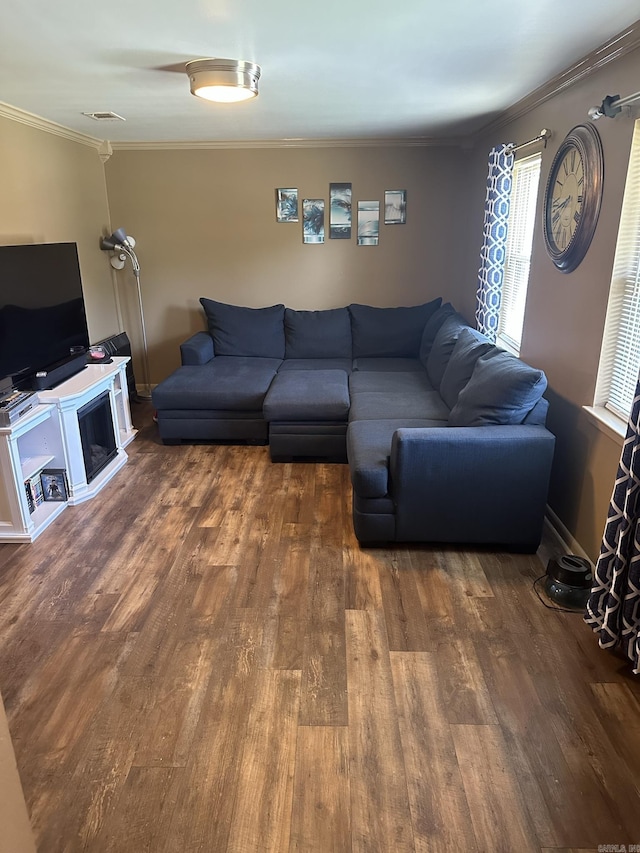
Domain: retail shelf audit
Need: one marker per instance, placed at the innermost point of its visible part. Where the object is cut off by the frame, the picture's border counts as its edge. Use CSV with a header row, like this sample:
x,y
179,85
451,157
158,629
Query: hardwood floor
x,y
203,659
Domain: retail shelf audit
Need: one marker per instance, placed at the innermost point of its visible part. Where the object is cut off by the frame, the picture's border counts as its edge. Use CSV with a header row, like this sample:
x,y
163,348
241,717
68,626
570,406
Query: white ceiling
x,y
342,69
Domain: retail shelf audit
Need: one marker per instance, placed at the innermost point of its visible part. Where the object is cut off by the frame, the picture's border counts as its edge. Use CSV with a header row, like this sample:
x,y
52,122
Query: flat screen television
x,y
42,314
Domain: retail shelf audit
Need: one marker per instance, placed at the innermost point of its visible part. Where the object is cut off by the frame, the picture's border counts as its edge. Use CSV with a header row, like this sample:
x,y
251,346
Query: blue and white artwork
x,y
287,205
313,220
368,223
340,211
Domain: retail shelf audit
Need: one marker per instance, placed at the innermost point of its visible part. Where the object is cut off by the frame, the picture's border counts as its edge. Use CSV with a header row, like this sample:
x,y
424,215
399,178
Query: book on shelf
x,y
34,492
37,491
30,501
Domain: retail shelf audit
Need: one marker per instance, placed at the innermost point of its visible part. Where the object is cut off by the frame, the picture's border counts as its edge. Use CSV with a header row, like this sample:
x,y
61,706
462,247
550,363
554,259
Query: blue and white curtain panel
x,y
492,254
613,608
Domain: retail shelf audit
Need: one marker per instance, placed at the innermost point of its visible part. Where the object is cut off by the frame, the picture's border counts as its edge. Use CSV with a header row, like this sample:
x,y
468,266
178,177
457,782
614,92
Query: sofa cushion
x,y
317,334
502,390
240,331
432,327
315,364
373,405
384,365
300,395
368,449
232,383
443,346
389,332
470,345
390,382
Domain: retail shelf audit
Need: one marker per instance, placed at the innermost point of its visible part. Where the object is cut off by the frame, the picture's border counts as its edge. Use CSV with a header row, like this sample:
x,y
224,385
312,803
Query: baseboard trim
x,y
562,537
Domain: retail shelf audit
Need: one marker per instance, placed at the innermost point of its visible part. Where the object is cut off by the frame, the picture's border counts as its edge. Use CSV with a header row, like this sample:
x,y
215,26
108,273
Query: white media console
x,y
49,437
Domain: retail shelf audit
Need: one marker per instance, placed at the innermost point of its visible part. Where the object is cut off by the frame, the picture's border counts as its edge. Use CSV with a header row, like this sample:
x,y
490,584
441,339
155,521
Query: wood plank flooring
x,y
203,659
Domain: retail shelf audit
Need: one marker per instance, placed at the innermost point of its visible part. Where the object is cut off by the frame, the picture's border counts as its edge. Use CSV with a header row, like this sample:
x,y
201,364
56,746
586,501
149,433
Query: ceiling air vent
x,y
105,116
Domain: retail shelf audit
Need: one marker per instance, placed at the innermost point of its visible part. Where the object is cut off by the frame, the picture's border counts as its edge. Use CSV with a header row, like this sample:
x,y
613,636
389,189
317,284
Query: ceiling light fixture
x,y
225,81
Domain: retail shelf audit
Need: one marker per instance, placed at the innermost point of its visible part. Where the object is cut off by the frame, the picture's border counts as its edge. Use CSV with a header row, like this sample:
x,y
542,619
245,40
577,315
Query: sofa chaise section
x,y
221,399
477,472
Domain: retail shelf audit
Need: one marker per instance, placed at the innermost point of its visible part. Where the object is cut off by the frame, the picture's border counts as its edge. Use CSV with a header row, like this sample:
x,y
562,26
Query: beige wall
x,y
565,312
53,190
205,225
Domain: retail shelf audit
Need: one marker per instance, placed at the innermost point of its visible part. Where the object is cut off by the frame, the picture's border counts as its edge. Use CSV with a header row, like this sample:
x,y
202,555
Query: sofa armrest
x,y
198,349
483,484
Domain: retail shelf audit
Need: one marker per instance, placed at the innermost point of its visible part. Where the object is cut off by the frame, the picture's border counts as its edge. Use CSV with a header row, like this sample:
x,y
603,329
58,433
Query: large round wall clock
x,y
572,197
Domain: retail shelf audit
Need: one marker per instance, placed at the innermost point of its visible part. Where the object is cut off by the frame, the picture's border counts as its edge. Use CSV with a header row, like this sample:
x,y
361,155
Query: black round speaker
x,y
568,581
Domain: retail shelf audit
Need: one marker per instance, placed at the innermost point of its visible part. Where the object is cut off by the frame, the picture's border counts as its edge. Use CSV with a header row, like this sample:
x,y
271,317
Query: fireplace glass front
x,y
96,434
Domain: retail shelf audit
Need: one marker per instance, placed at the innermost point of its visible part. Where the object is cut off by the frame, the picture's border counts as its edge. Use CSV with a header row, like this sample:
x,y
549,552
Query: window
x,y
522,216
620,356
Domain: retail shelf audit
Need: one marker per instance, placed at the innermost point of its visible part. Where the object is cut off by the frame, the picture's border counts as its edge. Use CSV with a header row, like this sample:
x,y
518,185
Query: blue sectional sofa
x,y
444,432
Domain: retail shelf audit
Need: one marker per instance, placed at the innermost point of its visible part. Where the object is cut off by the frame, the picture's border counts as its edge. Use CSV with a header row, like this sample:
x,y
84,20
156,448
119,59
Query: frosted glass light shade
x,y
223,80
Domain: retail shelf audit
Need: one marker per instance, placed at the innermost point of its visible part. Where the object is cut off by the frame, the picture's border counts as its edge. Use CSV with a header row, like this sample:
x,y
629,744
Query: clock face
x,y
567,198
572,198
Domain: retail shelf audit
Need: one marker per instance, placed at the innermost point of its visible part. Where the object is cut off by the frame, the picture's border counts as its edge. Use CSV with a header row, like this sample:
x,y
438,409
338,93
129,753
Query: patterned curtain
x,y
613,609
492,254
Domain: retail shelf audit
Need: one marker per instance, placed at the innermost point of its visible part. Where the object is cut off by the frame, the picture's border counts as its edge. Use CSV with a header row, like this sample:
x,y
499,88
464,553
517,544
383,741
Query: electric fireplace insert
x,y
96,435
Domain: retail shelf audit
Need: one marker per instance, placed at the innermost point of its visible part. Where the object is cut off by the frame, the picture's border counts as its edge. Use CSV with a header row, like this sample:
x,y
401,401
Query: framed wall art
x,y
368,223
313,220
340,211
395,207
287,205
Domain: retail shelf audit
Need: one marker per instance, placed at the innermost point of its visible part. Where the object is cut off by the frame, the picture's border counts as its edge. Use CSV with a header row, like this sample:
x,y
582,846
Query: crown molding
x,y
394,142
32,120
106,147
620,45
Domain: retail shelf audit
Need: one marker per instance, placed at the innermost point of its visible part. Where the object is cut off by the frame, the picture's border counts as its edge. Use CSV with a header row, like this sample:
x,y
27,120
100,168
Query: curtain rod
x,y
612,105
544,134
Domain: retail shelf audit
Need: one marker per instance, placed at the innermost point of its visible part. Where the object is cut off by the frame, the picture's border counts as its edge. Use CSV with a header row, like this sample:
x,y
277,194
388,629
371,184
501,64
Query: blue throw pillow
x,y
502,390
317,334
245,331
443,346
431,329
389,332
468,349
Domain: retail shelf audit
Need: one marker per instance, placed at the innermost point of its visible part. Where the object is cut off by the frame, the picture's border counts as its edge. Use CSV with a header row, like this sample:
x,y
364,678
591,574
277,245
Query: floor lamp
x,y
123,248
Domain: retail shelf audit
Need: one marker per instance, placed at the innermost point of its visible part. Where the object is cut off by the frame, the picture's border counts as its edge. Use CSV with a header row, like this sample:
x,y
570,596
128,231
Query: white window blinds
x,y
620,356
522,216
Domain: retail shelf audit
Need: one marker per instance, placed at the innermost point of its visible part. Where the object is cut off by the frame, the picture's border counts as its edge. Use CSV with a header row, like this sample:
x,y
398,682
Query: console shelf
x,y
48,436
32,465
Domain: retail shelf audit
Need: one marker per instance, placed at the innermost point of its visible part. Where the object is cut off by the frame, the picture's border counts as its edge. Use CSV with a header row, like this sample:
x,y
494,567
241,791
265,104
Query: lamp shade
x,y
118,238
223,80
